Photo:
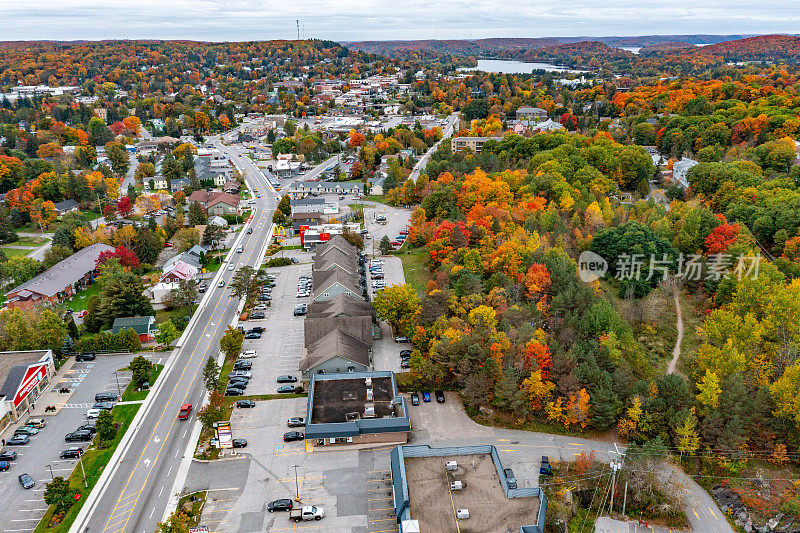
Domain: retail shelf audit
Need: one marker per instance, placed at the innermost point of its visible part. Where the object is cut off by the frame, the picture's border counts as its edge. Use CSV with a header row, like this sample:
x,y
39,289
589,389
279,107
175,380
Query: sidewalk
x,y
605,524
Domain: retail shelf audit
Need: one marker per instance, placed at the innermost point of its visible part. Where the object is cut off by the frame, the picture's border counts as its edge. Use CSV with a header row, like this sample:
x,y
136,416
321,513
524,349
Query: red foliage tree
x,y
126,257
721,238
124,206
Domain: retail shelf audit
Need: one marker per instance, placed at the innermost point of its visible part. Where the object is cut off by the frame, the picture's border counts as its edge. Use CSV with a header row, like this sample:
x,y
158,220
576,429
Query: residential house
x,y
67,206
216,203
144,326
535,114
218,221
334,353
178,271
60,281
680,169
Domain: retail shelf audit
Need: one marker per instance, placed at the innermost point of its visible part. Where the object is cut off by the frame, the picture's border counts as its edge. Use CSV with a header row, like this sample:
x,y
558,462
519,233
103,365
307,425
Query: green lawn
x,y
414,269
94,461
11,253
162,315
31,241
81,300
132,395
213,266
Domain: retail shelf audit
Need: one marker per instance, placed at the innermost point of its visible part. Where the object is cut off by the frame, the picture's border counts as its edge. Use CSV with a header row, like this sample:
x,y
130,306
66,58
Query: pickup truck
x,y
307,512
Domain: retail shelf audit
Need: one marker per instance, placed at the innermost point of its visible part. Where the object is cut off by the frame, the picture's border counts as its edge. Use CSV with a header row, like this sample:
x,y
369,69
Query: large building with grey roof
x,y
24,376
60,281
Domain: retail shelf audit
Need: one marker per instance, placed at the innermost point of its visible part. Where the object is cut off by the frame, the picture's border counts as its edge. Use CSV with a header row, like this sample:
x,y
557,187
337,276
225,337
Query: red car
x,y
167,244
82,314
186,409
404,232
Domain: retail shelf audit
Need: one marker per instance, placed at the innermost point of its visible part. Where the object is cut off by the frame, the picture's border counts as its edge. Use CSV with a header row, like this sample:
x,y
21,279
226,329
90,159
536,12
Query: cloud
x,y
342,20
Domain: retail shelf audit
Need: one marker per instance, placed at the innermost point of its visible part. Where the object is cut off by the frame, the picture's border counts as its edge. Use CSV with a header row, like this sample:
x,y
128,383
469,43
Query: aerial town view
x,y
526,267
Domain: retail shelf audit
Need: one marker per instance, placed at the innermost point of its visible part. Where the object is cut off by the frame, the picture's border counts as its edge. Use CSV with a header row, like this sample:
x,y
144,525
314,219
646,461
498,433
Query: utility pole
x,y
616,466
625,499
298,28
296,484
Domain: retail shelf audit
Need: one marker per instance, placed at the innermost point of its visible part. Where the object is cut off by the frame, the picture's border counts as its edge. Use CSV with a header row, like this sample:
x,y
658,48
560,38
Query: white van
x,y
93,413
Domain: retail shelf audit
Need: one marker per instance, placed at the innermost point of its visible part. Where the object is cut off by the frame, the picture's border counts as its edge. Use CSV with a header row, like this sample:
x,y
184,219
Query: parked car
x,y
284,504
405,353
300,310
261,307
287,379
426,397
249,354
253,335
93,413
401,338
307,512
88,426
545,469
231,391
105,397
25,430
4,465
242,365
73,452
84,357
245,404
290,436
286,389
8,455
240,374
80,435
414,398
239,443
296,422
186,410
405,363
104,406
257,329
258,315
18,440
26,481
237,384
510,479
37,423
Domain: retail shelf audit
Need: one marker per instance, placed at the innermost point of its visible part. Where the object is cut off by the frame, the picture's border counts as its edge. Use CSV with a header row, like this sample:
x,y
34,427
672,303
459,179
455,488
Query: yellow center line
x,y
380,520
378,499
376,510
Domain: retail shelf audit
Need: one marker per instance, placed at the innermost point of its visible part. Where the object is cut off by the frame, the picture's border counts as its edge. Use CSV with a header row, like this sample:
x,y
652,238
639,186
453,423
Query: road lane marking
x,y
503,440
695,513
712,512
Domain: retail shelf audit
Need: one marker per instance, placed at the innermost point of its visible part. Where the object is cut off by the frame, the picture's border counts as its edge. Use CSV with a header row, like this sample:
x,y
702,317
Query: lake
x,y
500,66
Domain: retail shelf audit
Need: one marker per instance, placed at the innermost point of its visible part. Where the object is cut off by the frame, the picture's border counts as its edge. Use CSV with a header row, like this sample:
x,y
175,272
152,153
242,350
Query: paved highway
x,y
134,495
447,132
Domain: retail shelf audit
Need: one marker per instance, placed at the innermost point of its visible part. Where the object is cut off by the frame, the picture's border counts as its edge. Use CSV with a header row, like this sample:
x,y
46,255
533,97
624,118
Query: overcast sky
x,y
348,20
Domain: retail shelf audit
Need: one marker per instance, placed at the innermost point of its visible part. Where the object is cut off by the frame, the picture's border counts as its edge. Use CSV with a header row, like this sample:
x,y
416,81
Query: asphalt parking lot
x,y
280,347
20,509
353,486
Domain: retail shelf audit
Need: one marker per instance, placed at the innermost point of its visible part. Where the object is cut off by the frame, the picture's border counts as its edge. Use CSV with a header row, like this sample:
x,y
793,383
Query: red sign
x,y
32,377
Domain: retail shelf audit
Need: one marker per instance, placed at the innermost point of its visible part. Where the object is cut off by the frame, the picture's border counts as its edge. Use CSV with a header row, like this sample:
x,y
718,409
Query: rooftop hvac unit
x,y
456,485
369,395
462,514
369,411
451,466
368,382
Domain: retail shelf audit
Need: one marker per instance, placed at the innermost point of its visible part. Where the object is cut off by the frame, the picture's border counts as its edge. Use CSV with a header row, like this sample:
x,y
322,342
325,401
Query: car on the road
x,y
168,244
249,354
26,481
439,395
253,335
249,231
300,310
8,455
401,338
286,389
258,315
239,249
284,504
510,479
82,314
296,422
18,440
25,430
186,410
72,453
232,391
544,468
84,357
80,435
105,397
245,404
231,267
221,283
414,398
290,436
287,379
239,443
426,396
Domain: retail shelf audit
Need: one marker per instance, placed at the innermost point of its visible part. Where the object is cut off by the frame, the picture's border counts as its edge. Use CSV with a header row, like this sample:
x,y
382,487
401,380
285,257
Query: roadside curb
x,y
235,458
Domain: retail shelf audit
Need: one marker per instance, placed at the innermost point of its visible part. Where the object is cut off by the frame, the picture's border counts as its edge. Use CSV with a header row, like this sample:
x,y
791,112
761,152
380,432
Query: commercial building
x,y
475,144
440,489
25,376
60,281
361,408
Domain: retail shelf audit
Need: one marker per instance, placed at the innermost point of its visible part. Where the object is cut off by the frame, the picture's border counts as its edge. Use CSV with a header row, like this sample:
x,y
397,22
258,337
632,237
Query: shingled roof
x,y
336,344
359,327
340,305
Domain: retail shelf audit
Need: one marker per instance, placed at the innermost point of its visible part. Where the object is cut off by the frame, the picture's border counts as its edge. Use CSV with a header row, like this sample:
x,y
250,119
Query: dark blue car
x,y
426,397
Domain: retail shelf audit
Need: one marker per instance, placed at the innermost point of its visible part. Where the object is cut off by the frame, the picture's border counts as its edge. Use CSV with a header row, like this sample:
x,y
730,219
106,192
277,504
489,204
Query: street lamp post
x,y
51,472
119,392
80,460
296,484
